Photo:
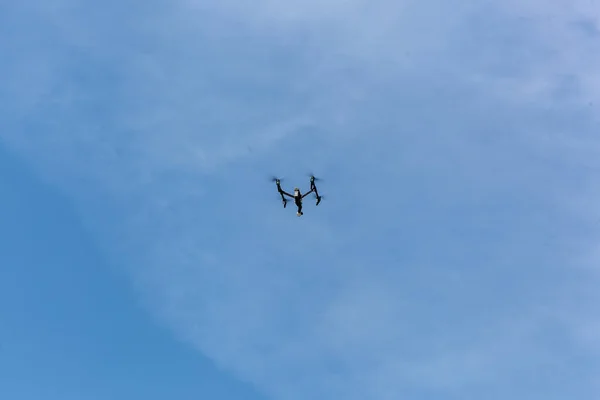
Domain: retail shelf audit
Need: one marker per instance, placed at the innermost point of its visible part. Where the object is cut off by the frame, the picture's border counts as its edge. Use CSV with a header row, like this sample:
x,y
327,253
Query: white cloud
x,y
435,286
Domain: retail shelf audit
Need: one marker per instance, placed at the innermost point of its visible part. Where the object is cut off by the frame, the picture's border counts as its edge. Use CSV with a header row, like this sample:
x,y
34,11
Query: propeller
x,y
313,178
276,179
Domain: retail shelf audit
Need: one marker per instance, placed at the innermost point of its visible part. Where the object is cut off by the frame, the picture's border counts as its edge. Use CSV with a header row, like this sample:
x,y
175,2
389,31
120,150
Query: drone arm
x,y
282,192
307,193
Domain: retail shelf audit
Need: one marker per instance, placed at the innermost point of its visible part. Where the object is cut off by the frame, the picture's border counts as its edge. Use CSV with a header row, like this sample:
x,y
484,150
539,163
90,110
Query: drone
x,y
298,196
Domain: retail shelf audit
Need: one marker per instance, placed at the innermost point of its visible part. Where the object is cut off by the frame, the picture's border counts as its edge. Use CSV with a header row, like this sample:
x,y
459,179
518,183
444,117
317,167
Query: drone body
x,y
298,196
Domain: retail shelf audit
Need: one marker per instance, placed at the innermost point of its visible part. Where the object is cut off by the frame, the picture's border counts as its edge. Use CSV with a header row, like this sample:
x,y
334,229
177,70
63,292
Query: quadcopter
x,y
298,196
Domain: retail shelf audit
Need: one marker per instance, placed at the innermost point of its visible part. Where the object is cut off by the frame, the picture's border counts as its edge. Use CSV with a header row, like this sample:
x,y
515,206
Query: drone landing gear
x,y
313,188
281,192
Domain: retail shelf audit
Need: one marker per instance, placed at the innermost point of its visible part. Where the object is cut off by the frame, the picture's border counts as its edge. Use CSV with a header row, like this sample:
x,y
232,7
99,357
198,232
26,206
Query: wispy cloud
x,y
460,146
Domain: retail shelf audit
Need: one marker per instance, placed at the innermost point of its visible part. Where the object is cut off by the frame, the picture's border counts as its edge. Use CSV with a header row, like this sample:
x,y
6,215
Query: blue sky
x,y
145,253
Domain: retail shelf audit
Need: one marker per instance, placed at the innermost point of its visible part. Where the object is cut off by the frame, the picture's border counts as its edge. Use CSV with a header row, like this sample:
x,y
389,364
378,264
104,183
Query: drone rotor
x,y
276,179
313,178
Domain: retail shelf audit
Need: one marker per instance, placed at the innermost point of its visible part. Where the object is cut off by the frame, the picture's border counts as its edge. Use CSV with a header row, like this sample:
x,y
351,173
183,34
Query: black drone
x,y
298,196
